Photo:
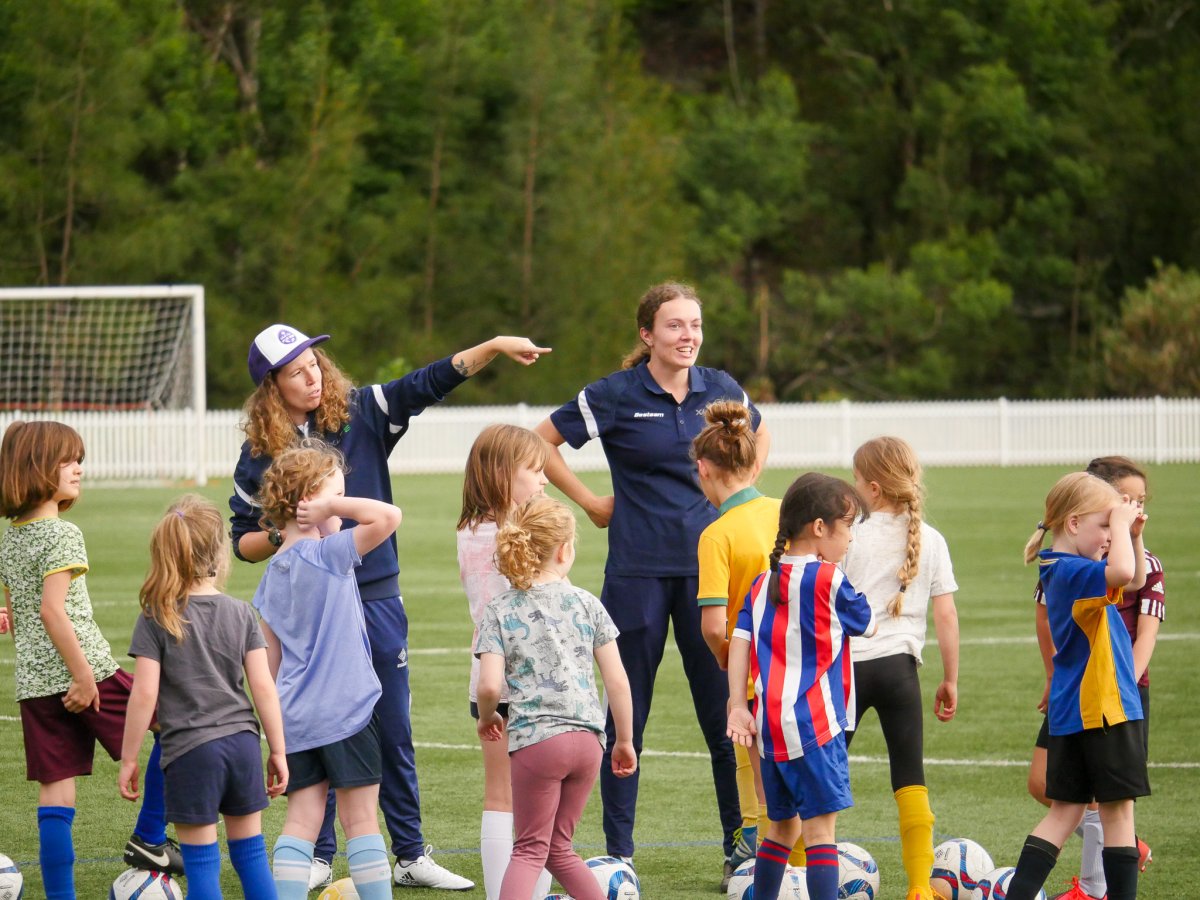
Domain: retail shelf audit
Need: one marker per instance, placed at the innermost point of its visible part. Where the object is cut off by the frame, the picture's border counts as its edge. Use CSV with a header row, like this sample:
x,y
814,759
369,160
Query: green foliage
x,y
1154,348
414,177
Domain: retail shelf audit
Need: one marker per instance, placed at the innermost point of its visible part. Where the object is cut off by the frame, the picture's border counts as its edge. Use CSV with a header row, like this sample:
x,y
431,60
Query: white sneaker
x,y
320,875
424,872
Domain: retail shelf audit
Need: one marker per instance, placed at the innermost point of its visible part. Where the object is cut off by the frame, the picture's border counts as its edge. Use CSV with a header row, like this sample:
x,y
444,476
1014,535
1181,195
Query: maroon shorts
x,y
61,744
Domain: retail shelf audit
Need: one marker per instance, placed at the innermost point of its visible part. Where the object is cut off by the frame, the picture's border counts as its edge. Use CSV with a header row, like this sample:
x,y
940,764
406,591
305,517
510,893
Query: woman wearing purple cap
x,y
301,392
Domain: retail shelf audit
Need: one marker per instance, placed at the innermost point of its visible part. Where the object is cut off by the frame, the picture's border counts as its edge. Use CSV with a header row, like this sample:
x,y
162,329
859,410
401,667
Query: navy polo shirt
x,y
379,416
658,508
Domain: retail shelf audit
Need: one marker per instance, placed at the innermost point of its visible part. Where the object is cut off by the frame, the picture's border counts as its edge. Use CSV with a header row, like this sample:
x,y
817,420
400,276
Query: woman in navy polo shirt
x,y
301,392
645,416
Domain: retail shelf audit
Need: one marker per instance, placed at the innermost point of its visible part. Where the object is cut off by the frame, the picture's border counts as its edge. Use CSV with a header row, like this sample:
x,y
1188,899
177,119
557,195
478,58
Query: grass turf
x,y
976,764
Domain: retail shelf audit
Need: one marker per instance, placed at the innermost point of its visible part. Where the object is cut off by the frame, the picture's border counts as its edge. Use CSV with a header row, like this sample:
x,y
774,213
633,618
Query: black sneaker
x,y
164,857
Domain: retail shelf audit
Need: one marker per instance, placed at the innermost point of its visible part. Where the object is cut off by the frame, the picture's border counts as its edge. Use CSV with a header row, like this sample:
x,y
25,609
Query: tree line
x,y
878,200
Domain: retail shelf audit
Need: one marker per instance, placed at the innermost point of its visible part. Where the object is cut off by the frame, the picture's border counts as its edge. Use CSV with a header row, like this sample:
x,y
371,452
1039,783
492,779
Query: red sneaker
x,y
1076,893
1145,857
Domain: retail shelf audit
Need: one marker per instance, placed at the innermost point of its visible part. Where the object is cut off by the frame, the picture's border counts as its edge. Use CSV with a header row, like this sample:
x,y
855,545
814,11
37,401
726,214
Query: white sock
x,y
495,847
542,888
1091,863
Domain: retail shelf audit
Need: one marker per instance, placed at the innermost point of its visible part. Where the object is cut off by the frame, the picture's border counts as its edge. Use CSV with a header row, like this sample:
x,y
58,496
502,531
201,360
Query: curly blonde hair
x,y
892,464
294,474
269,428
188,544
530,537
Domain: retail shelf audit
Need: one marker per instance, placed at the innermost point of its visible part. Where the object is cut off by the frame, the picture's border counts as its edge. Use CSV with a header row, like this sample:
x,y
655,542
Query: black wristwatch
x,y
274,538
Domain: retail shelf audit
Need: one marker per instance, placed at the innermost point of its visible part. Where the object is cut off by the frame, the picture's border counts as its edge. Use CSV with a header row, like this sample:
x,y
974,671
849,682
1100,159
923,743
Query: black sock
x,y
1121,872
1033,868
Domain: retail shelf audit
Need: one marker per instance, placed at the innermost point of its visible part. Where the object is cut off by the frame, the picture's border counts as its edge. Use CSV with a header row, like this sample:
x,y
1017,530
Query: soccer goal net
x,y
102,348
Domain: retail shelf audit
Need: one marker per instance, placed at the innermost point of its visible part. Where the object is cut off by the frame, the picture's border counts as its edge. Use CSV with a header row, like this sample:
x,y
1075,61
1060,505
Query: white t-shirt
x,y
875,556
481,583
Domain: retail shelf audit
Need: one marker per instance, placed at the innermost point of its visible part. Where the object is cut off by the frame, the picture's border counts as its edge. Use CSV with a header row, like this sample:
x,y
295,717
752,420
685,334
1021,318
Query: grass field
x,y
976,765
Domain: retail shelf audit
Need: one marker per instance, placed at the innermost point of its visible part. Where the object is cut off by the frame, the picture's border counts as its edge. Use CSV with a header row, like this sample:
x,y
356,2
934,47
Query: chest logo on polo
x,y
649,415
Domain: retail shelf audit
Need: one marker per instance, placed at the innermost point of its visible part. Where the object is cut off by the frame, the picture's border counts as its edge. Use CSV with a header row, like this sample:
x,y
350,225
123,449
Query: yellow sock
x,y
798,857
747,798
916,834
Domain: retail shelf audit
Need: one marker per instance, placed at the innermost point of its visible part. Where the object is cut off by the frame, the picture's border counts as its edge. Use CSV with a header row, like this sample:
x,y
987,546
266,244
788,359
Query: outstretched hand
x,y
520,349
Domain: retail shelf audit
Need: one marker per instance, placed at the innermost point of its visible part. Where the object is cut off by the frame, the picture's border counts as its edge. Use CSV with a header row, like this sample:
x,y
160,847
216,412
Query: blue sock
x,y
292,862
202,866
56,851
151,824
249,858
769,866
369,869
821,875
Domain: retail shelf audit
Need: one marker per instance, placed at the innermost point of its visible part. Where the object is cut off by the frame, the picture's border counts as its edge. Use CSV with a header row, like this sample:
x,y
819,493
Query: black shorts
x,y
355,761
1102,764
1043,738
501,708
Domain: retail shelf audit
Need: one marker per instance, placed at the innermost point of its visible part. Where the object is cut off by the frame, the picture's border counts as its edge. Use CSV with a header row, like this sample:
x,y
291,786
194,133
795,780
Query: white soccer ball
x,y
858,874
12,884
615,877
559,897
795,884
138,884
994,885
958,864
342,889
741,882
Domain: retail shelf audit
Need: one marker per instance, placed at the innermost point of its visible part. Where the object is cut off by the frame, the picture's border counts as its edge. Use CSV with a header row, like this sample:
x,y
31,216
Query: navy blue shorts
x,y
501,707
222,776
355,761
815,784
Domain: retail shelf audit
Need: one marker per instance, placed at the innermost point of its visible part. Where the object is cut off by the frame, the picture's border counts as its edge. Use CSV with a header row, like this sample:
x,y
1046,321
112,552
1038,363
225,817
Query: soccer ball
x,y
12,885
559,897
342,889
858,875
138,884
741,882
994,885
958,865
615,877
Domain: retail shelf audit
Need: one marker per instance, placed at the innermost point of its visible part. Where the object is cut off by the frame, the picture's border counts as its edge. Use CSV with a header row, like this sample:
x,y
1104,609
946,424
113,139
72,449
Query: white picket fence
x,y
168,446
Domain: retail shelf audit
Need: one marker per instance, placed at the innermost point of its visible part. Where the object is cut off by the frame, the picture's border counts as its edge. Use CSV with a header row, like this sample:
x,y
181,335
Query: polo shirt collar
x,y
745,495
696,383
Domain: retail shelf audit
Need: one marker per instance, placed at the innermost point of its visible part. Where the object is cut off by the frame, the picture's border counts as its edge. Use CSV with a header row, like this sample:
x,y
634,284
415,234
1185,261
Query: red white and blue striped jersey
x,y
800,655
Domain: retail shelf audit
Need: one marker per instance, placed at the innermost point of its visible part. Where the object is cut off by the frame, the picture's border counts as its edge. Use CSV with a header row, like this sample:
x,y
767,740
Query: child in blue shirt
x,y
1095,748
317,647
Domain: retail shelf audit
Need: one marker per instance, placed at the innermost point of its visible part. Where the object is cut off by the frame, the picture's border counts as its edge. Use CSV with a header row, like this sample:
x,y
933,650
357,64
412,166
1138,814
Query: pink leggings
x,y
551,781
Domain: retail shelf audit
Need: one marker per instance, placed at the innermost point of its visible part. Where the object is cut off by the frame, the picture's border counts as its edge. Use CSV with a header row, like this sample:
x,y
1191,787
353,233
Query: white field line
x,y
863,760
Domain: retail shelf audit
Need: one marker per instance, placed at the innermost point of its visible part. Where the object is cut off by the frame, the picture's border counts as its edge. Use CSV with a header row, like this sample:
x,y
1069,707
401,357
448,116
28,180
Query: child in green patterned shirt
x,y
70,690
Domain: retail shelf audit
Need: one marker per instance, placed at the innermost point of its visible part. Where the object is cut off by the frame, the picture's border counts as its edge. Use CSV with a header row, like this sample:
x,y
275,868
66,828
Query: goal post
x,y
106,349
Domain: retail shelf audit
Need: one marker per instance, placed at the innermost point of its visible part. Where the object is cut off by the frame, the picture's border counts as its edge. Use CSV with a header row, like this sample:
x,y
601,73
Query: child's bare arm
x,y
1120,567
376,519
620,702
266,701
274,649
741,727
487,696
6,614
945,624
83,691
142,700
1046,648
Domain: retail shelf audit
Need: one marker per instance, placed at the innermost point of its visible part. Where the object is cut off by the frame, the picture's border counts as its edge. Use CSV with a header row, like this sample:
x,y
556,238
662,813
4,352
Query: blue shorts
x,y
815,784
222,776
355,761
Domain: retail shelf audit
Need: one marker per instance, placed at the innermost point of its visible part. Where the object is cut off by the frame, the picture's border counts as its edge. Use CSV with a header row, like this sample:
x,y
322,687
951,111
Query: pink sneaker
x,y
1076,893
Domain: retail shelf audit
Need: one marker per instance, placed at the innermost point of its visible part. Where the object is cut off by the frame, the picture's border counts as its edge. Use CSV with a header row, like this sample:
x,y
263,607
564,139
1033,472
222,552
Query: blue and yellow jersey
x,y
1093,683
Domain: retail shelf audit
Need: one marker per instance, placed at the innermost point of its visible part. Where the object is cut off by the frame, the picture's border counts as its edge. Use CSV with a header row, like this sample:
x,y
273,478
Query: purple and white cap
x,y
275,346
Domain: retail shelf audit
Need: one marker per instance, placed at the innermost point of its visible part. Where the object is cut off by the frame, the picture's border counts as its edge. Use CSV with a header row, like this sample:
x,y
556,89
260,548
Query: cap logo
x,y
286,337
